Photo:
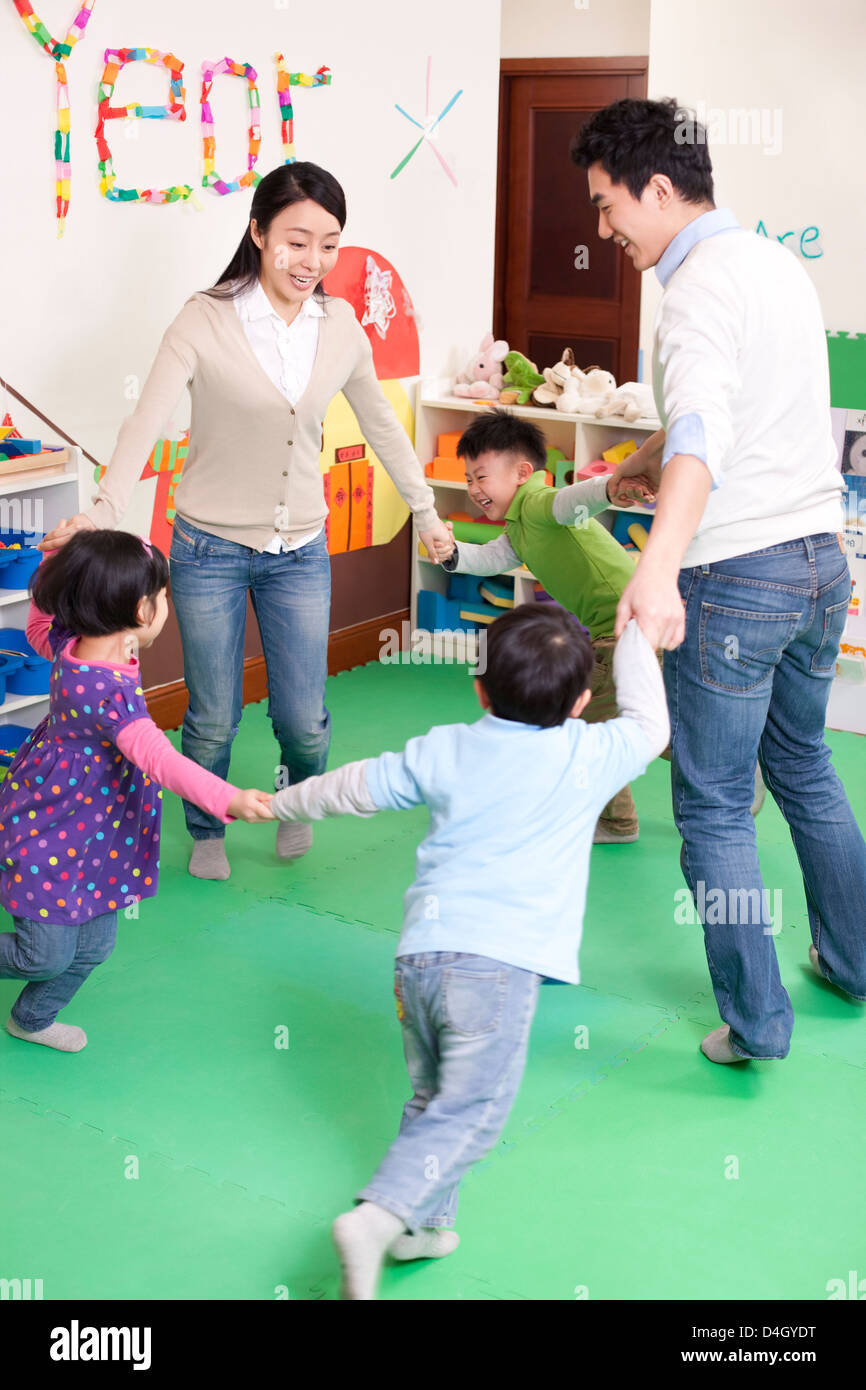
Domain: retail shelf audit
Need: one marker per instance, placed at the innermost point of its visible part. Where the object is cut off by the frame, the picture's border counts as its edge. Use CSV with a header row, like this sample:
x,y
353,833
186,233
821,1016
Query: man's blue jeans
x,y
466,1022
56,958
291,598
751,681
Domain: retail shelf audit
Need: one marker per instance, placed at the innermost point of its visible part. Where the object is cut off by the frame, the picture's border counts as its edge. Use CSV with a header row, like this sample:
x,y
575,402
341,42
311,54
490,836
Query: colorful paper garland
x,y
58,51
211,179
285,82
115,59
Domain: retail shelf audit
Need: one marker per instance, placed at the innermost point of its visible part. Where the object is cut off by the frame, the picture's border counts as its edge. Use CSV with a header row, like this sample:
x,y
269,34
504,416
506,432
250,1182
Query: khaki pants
x,y
620,814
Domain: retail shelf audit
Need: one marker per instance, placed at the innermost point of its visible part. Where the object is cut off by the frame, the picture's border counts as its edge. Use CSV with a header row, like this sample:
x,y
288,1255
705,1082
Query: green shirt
x,y
582,567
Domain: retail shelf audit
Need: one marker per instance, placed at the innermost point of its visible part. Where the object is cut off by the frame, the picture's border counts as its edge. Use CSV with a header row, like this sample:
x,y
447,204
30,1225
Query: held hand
x,y
630,490
64,531
653,599
644,463
439,541
251,805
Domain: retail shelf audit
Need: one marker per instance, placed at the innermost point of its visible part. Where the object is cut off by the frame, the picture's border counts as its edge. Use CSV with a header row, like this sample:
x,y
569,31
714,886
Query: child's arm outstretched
x,y
342,792
493,557
640,691
145,745
575,504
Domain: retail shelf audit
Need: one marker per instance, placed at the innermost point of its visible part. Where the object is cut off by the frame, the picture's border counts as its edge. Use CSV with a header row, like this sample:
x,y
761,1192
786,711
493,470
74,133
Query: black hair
x,y
287,184
95,582
500,432
634,139
539,660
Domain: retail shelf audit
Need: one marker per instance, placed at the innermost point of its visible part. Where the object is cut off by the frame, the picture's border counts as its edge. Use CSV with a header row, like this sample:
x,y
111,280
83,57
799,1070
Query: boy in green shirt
x,y
575,558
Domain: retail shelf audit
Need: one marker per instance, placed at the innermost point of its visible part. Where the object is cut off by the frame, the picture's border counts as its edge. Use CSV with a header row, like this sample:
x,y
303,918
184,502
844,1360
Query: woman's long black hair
x,y
287,184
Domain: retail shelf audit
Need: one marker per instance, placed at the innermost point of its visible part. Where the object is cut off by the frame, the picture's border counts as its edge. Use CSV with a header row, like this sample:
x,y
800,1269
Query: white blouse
x,y
286,352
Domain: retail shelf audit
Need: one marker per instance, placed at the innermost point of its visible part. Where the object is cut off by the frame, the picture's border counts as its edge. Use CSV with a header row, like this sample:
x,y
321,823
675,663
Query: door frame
x,y
634,68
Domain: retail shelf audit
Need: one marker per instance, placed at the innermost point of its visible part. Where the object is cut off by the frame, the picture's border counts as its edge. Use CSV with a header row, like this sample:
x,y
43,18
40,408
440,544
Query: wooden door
x,y
549,292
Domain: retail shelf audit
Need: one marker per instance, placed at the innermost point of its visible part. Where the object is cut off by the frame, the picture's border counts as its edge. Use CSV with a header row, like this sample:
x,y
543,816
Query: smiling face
x,y
493,479
299,250
642,226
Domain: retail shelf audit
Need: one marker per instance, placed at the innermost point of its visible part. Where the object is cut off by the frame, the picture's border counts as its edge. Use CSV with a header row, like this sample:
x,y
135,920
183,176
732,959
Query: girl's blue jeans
x,y
751,680
466,1021
291,598
56,959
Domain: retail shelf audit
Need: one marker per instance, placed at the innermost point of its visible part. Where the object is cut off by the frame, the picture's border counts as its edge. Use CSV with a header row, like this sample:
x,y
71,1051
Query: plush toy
x,y
633,400
481,379
555,380
522,376
585,391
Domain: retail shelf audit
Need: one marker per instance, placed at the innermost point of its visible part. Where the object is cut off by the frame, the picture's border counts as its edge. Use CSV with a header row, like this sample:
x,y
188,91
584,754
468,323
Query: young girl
x,y
80,805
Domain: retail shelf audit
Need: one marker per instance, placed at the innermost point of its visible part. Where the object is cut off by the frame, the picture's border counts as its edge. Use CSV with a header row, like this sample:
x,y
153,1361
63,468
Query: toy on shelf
x,y
33,676
585,391
520,379
631,531
633,400
597,469
446,444
556,378
481,378
464,606
446,470
476,530
617,452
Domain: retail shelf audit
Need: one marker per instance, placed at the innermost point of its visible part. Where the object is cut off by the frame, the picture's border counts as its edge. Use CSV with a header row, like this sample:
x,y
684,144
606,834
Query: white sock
x,y
209,859
431,1243
65,1037
362,1236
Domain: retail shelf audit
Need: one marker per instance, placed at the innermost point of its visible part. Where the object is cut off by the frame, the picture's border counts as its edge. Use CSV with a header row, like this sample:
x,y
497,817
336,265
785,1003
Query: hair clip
x,y
147,544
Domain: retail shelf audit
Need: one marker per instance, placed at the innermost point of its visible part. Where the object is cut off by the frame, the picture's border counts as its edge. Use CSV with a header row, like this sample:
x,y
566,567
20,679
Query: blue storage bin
x,y
34,676
11,738
8,664
18,566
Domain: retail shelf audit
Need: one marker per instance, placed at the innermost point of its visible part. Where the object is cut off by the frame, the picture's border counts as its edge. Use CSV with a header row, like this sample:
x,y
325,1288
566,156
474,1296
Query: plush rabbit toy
x,y
482,378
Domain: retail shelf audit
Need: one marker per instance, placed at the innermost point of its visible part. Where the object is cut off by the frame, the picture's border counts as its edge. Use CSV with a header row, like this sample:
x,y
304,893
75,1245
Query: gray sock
x,y
65,1037
294,838
209,859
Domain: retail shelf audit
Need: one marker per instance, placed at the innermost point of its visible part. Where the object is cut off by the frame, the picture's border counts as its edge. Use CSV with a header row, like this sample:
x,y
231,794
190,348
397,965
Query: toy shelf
x,y
580,437
62,494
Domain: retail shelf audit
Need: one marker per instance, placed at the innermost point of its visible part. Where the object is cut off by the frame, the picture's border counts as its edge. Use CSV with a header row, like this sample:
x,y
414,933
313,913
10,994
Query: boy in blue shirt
x,y
496,906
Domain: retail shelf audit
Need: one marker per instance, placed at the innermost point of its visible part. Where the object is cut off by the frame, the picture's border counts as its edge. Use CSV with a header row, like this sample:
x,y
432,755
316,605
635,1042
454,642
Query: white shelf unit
x,y
581,437
57,495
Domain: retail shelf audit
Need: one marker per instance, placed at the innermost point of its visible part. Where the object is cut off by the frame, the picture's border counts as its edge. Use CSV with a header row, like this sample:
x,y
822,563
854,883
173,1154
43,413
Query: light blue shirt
x,y
503,868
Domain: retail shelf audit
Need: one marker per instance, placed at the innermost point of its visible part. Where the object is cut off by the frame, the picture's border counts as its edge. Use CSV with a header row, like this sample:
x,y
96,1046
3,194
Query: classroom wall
x,y
84,314
566,29
799,66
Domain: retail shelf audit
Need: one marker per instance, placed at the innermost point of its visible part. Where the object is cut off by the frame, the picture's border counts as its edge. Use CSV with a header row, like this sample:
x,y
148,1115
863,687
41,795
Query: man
x,y
743,580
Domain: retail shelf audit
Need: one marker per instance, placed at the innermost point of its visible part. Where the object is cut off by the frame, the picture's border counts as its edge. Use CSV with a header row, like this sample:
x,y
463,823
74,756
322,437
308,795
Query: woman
x,y
263,353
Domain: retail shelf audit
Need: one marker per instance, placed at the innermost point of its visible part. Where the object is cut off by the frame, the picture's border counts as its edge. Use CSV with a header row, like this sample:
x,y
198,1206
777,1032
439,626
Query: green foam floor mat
x,y
612,1178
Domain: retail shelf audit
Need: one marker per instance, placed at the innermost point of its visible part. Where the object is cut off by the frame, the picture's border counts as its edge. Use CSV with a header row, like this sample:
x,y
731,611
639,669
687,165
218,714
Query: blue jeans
x,y
56,959
751,680
291,598
466,1022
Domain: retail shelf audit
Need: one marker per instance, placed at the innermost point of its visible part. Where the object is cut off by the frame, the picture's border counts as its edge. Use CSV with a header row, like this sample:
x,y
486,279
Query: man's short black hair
x,y
498,431
539,660
632,140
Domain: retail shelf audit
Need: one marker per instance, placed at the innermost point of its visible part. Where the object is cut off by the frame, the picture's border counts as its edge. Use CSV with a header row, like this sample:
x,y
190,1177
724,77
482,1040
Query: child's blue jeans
x,y
56,959
466,1022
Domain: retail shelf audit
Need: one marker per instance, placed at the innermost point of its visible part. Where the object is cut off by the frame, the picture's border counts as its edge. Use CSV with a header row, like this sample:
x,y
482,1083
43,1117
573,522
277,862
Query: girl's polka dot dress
x,y
79,823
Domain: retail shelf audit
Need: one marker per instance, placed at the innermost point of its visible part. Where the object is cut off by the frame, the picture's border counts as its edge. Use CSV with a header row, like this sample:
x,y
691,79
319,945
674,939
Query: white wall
x,y
84,313
564,29
805,62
